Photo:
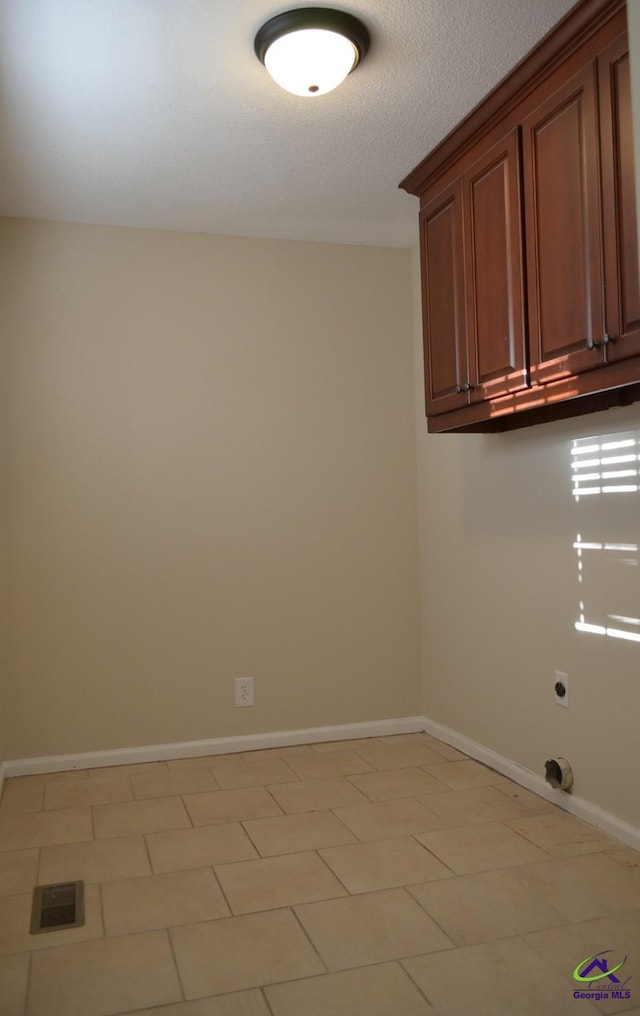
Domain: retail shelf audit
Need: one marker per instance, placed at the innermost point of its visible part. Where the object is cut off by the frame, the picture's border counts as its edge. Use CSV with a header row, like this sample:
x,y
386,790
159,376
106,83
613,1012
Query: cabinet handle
x,y
459,389
596,343
467,388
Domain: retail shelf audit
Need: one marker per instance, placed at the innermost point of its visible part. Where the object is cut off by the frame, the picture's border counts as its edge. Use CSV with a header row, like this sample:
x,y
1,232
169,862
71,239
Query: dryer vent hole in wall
x,y
558,773
57,906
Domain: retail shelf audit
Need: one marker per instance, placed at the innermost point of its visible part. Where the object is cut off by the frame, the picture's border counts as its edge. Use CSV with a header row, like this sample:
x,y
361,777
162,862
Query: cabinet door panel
x,y
493,256
622,269
562,208
443,307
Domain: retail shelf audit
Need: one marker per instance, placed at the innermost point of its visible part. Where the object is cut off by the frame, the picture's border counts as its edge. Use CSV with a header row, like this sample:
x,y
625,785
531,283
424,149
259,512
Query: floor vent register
x,y
57,906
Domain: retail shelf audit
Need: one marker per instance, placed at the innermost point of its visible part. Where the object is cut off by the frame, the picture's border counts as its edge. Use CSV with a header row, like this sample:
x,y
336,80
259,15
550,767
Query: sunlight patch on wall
x,y
608,465
607,562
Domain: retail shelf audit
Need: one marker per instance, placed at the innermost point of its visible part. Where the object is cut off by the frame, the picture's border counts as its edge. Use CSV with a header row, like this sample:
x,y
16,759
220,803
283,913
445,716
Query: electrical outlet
x,y
561,688
244,691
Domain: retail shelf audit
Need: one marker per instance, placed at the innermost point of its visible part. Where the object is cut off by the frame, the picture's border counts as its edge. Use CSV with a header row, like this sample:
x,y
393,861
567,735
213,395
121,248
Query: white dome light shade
x,y
312,61
311,50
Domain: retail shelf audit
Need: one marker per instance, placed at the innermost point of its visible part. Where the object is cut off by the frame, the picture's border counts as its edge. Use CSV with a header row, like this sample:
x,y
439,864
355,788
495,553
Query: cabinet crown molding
x,y
578,25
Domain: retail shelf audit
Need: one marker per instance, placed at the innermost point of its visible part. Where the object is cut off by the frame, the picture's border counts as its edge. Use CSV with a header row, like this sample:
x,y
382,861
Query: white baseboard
x,y
214,746
577,806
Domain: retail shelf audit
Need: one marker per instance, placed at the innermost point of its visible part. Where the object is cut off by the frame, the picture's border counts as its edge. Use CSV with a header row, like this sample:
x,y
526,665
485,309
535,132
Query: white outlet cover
x,y
243,687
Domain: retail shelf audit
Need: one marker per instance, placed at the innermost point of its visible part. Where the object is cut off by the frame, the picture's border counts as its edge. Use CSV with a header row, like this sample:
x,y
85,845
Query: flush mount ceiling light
x,y
311,50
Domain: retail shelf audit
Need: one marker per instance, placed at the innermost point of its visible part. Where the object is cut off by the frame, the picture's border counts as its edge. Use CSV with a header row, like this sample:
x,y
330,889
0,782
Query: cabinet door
x,y
622,270
562,222
443,305
494,280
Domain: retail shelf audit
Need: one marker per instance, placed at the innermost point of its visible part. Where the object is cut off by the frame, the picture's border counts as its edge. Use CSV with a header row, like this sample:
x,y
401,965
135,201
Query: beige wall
x,y
212,475
501,598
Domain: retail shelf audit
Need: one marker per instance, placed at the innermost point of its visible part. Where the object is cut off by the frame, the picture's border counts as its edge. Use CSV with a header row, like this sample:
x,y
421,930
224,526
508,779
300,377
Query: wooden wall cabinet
x,y
622,264
471,249
528,239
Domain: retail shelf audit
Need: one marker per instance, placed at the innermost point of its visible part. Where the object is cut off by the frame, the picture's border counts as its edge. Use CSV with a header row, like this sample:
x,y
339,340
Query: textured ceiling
x,y
157,113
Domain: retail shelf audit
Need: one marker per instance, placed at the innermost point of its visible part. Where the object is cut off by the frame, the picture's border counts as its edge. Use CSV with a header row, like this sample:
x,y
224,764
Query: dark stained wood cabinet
x,y
471,250
443,300
622,265
562,210
493,258
528,236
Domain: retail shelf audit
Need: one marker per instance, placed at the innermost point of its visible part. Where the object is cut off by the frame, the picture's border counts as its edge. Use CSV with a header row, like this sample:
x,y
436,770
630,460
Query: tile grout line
x,y
267,787
102,913
266,1000
148,853
224,895
425,770
407,889
522,938
525,839
291,770
516,868
374,964
186,812
28,987
308,937
332,811
186,808
130,784
414,836
414,982
167,932
252,841
335,874
39,865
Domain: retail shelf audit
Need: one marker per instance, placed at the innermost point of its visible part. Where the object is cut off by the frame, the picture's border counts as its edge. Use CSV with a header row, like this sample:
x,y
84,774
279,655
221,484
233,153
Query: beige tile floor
x,y
385,877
